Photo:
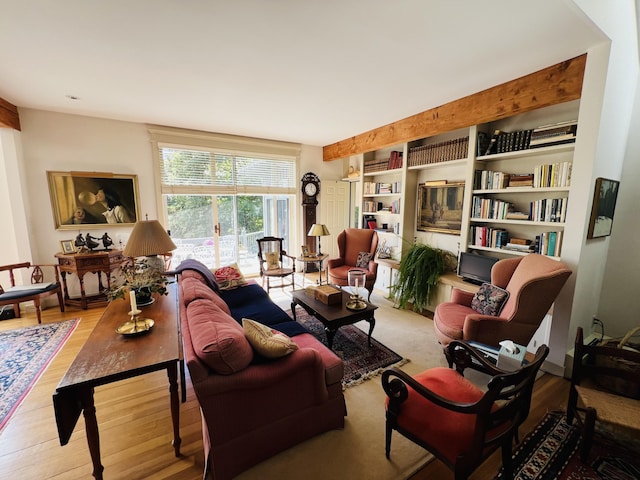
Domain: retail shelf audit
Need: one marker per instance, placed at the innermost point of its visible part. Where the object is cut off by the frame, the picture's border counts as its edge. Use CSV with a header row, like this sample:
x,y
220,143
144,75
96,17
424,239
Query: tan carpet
x,y
357,451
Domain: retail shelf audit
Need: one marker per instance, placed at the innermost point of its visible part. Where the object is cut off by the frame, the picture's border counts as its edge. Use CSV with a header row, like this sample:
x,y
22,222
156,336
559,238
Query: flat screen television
x,y
475,268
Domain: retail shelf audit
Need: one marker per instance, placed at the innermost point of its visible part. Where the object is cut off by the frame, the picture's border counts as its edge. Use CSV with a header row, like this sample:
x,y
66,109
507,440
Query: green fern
x,y
419,273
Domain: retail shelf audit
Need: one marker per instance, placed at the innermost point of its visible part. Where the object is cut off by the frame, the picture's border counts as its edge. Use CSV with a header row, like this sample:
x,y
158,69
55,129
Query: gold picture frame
x,y
605,196
67,246
440,207
93,199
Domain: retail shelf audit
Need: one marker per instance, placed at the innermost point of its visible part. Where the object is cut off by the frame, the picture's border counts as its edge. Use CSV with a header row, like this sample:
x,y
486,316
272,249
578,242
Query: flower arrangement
x,y
137,276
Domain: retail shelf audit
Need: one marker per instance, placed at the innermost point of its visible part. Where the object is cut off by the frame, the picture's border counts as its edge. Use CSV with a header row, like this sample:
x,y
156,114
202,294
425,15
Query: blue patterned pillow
x,y
489,300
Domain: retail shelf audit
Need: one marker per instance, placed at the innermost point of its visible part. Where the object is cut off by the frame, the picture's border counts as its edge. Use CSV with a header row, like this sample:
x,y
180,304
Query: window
x,y
220,193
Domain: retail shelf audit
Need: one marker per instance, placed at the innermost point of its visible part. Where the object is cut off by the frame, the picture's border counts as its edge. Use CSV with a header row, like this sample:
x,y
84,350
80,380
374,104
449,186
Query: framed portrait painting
x,y
440,207
603,207
93,199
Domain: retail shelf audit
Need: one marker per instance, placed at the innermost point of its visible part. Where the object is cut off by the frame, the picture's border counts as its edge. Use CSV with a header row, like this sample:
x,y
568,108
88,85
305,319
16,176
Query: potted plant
x,y
139,277
419,272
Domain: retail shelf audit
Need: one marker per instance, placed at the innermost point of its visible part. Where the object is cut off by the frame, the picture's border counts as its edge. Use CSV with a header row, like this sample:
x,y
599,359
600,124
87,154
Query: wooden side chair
x,y
35,291
457,421
275,262
605,386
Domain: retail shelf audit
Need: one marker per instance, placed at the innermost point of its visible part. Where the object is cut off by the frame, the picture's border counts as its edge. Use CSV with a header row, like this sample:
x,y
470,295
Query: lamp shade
x,y
147,238
318,230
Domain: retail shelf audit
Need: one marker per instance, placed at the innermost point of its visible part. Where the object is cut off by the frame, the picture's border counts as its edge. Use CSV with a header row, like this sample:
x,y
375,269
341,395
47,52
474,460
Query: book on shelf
x,y
520,241
555,134
517,216
521,180
516,247
493,142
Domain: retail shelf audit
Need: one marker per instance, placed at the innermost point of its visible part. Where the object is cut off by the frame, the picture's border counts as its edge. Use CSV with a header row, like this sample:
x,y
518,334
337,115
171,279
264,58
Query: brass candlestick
x,y
136,325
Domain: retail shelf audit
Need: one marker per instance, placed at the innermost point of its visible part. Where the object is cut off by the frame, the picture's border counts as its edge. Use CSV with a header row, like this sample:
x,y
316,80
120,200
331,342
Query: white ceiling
x,y
307,71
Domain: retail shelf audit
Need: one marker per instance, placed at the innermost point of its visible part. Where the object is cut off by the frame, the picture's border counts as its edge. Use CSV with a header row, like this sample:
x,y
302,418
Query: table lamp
x,y
318,230
149,239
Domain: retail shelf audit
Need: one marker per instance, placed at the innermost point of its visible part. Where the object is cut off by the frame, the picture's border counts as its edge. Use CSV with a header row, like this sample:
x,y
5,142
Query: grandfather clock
x,y
310,191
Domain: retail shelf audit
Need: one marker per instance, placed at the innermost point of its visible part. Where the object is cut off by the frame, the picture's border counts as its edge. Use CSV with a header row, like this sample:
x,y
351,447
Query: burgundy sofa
x,y
252,407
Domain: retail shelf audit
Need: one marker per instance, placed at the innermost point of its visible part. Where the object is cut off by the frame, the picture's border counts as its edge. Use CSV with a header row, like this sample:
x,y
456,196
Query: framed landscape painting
x,y
604,205
93,199
440,207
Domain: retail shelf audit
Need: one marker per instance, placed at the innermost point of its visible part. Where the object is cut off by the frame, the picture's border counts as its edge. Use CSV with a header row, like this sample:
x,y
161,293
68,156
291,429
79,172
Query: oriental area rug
x,y
551,451
25,354
361,361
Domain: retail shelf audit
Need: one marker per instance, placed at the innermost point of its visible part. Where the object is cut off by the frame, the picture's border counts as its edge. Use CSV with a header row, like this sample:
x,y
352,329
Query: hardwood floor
x,y
135,423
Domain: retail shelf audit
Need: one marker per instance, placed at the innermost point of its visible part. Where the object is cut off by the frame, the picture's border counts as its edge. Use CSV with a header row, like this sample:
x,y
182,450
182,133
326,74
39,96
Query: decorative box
x,y
326,294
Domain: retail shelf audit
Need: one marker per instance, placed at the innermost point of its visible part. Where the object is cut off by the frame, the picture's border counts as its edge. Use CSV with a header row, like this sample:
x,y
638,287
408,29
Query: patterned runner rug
x,y
361,362
25,354
551,451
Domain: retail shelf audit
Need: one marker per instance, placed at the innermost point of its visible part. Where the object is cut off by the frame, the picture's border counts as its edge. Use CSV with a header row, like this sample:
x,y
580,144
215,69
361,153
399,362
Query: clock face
x,y
310,189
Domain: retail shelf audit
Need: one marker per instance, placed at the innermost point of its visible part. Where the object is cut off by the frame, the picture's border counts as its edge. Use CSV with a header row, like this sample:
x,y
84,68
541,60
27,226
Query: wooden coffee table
x,y
107,357
333,316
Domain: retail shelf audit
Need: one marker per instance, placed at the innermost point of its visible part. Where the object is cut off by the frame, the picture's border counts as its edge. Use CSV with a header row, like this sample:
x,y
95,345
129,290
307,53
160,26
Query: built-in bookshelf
x,y
517,175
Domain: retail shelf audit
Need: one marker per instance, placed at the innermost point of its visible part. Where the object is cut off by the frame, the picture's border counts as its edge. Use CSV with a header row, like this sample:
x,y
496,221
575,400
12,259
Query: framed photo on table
x,y
93,199
67,246
440,207
604,205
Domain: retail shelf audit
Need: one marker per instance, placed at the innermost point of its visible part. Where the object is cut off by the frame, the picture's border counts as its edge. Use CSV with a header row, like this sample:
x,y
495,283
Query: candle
x,y
356,285
132,297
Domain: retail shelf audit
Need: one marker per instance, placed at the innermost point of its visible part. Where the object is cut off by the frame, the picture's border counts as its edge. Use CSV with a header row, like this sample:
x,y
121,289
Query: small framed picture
x,y
603,207
305,251
67,246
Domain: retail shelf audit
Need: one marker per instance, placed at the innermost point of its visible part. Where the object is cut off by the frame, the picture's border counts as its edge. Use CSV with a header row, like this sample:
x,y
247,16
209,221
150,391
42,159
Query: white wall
x,y
60,142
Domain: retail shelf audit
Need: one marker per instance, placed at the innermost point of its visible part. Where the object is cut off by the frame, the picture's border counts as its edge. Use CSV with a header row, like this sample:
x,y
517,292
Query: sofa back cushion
x,y
218,340
193,287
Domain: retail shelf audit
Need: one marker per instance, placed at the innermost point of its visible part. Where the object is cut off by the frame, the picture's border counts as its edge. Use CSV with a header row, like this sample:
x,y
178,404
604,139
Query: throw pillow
x,y
229,277
363,260
489,299
273,260
267,342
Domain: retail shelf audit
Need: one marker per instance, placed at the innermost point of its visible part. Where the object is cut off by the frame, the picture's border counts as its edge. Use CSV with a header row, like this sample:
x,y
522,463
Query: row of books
x,y
552,175
546,175
378,188
393,162
501,141
549,210
542,210
378,207
546,243
490,208
482,236
439,152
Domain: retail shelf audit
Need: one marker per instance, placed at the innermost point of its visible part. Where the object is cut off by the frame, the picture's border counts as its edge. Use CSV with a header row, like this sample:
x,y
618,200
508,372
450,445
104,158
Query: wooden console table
x,y
81,263
107,357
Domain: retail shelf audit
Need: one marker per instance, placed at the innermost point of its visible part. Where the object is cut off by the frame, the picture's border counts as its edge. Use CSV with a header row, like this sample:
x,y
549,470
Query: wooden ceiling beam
x,y
9,117
553,85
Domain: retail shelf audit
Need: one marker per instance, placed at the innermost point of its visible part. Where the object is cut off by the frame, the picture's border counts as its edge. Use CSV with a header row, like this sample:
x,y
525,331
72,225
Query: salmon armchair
x,y
351,243
533,282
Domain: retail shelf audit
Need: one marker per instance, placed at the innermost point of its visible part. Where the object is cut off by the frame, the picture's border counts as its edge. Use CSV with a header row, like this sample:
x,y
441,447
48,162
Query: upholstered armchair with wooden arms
x,y
33,291
459,422
352,244
275,263
533,282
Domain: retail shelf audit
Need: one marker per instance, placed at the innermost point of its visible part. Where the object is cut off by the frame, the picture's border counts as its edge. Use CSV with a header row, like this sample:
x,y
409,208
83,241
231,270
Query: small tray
x,y
142,326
